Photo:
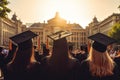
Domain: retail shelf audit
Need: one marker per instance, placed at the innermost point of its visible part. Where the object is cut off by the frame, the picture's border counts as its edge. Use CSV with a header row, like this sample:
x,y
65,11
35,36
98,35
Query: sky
x,y
74,11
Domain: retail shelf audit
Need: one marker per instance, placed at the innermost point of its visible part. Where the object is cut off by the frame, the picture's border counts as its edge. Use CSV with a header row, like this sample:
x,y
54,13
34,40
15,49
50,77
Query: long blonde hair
x,y
100,64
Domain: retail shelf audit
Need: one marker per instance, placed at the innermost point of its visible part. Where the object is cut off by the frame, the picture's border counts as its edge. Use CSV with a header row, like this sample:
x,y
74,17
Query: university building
x,y
56,24
8,28
104,26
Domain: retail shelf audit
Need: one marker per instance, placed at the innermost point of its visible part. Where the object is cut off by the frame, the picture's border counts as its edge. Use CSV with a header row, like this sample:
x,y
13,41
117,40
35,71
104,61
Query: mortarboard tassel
x,y
88,46
10,45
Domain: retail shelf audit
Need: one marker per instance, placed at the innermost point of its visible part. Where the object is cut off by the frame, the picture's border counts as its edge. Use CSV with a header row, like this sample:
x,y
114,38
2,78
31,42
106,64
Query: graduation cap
x,y
59,35
23,39
60,45
101,41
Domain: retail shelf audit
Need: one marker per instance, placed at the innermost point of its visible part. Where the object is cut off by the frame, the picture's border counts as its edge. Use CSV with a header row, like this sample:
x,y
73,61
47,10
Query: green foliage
x,y
3,9
115,32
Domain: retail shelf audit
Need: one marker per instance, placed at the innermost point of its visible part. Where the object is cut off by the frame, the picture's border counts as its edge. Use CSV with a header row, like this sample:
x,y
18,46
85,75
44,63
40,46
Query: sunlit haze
x,y
74,11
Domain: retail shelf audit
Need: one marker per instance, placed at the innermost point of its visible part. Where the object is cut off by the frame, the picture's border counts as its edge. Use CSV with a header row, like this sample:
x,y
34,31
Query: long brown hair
x,y
100,64
60,52
23,57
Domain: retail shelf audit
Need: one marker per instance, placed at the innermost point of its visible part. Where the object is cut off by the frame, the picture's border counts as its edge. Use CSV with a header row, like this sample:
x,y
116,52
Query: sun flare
x,y
71,11
67,11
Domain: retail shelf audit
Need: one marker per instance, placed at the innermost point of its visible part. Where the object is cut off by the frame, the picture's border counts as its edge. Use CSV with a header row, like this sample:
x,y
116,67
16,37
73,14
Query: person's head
x,y
45,51
25,50
99,60
84,48
25,53
101,41
60,46
70,46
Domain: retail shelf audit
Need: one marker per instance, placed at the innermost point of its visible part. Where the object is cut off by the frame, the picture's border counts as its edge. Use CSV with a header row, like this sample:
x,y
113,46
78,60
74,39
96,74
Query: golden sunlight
x,y
74,11
67,10
70,10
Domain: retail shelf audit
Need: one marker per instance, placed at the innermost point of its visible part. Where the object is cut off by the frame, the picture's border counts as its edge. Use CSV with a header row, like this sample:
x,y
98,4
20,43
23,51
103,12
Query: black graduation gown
x,y
5,60
117,60
85,74
81,57
32,72
53,73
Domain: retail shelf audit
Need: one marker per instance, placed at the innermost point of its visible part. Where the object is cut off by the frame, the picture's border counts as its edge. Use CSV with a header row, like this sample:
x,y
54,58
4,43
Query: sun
x,y
69,10
66,9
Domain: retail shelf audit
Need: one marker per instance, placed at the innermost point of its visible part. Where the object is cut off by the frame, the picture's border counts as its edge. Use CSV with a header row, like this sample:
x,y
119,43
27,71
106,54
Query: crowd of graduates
x,y
25,62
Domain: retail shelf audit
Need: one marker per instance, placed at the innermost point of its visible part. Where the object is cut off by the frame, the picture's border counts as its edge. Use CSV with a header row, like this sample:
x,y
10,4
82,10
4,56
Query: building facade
x,y
8,28
56,24
104,26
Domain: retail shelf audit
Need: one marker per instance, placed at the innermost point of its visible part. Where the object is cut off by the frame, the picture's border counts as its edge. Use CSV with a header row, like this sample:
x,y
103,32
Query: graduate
x,y
60,66
23,65
99,65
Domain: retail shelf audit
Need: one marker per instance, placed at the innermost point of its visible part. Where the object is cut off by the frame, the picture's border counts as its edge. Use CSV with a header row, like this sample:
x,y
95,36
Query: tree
x,y
115,32
3,9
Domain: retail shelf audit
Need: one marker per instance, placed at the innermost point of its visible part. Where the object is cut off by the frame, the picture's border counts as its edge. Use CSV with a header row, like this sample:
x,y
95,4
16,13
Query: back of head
x,y
25,51
24,44
70,46
84,48
45,51
60,48
99,60
100,63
